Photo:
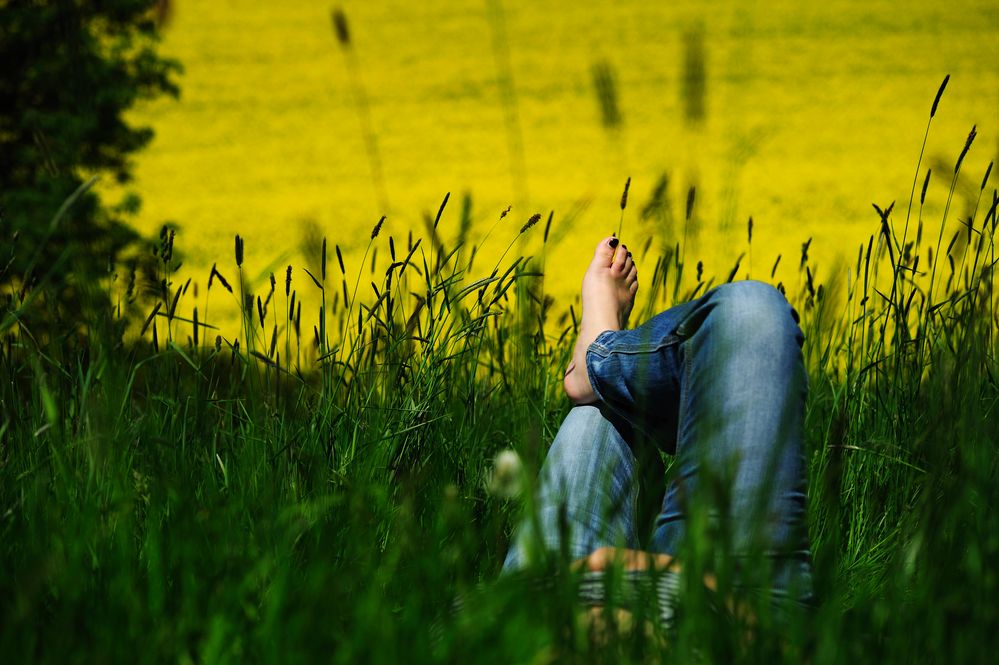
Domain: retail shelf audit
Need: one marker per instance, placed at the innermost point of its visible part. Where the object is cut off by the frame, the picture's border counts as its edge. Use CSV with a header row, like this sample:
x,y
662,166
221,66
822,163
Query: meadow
x,y
275,435
317,487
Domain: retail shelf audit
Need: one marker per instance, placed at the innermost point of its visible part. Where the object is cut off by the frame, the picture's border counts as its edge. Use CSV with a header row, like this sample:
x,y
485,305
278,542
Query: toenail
x,y
613,242
629,255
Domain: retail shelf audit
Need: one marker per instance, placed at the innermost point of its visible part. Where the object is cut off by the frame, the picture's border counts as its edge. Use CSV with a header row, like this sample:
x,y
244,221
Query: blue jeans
x,y
718,382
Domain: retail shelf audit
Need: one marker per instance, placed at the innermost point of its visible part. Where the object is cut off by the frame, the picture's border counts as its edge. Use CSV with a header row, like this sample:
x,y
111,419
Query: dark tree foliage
x,y
70,70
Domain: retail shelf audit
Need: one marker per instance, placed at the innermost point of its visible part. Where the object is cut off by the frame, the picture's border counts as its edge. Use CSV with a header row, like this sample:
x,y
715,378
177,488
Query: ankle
x,y
576,384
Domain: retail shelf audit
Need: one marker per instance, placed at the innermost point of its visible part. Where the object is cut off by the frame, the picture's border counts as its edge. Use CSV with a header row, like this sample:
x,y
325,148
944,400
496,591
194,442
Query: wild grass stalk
x,y
919,160
362,107
508,99
624,203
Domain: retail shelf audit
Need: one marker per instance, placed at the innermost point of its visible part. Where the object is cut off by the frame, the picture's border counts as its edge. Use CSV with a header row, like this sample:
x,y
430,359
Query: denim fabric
x,y
720,383
587,489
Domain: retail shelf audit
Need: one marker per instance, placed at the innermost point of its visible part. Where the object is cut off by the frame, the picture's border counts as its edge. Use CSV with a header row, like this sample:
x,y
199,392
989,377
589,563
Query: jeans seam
x,y
634,349
592,375
684,393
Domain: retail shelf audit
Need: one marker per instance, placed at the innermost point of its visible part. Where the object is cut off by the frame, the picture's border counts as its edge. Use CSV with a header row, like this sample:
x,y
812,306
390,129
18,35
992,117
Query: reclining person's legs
x,y
586,493
720,382
723,378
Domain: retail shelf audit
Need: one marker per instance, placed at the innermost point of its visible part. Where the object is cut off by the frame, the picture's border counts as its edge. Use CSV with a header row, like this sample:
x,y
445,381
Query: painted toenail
x,y
613,242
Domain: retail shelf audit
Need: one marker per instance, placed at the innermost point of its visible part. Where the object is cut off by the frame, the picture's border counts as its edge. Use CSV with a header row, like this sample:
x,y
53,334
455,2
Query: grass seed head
x,y
605,86
378,228
940,91
967,146
322,264
440,211
222,280
535,218
624,195
340,28
339,259
991,214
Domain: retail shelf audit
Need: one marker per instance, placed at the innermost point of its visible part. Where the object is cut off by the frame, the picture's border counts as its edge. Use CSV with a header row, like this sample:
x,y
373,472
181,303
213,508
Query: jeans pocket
x,y
693,319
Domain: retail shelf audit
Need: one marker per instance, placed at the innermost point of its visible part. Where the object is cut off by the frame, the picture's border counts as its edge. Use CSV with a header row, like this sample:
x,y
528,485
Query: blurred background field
x,y
799,114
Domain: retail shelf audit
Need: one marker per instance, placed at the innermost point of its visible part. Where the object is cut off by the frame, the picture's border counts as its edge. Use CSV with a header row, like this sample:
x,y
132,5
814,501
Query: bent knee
x,y
586,440
584,432
754,313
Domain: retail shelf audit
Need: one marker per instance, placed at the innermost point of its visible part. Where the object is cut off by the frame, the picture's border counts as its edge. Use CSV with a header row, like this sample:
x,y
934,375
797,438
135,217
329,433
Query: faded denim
x,y
719,382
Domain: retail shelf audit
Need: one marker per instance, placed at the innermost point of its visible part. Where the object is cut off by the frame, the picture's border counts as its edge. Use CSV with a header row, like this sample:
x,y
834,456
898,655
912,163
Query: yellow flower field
x,y
799,114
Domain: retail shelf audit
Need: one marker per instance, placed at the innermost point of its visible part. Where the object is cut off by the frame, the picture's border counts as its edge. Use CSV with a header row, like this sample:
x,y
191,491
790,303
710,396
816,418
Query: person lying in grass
x,y
719,382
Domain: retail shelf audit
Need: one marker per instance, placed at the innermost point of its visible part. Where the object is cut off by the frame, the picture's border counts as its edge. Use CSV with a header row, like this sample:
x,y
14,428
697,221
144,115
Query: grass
x,y
316,489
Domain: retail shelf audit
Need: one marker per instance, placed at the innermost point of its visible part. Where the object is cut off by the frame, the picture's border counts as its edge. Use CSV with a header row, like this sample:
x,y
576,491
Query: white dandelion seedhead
x,y
506,478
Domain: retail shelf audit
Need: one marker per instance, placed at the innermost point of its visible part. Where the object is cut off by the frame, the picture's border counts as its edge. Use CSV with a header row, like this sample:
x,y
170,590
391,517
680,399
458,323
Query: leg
x,y
723,377
587,488
608,294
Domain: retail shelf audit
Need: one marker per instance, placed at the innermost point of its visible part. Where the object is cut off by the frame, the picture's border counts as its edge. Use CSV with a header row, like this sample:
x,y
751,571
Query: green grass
x,y
315,490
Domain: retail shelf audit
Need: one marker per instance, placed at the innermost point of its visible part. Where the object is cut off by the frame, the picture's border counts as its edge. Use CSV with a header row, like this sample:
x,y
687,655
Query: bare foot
x,y
604,557
609,288
603,623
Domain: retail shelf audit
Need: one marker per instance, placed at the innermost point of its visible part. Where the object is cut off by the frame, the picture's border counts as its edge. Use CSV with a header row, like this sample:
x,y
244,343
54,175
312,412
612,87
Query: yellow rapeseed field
x,y
800,114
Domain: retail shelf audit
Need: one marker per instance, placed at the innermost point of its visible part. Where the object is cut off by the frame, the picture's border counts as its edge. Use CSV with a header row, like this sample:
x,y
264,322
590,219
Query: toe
x,y
629,265
632,274
620,259
604,253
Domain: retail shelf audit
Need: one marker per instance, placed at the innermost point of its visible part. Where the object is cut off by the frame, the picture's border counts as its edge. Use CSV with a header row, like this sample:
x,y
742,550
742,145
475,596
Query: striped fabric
x,y
644,592
630,589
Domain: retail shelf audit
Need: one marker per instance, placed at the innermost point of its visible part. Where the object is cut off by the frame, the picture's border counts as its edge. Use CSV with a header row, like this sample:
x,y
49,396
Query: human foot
x,y
604,557
608,294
